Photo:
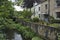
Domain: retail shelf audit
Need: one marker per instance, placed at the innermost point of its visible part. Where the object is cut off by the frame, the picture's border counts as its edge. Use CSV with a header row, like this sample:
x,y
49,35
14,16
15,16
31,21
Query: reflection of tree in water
x,y
9,34
2,36
12,35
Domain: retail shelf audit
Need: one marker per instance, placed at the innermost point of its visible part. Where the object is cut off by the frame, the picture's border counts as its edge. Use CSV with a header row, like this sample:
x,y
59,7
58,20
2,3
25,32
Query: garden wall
x,y
48,33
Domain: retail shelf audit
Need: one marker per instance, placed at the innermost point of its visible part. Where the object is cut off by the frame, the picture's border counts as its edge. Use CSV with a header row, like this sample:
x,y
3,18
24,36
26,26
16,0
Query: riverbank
x,y
10,35
25,31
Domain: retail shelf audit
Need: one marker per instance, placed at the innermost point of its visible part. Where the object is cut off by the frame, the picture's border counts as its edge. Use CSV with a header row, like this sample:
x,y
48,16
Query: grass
x,y
54,25
36,38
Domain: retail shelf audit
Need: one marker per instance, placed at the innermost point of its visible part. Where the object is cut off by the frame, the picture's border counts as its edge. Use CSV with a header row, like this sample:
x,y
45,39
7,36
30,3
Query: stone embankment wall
x,y
49,33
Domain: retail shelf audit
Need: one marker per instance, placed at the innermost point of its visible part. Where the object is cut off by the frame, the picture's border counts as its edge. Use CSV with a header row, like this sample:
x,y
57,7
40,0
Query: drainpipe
x,y
34,11
48,9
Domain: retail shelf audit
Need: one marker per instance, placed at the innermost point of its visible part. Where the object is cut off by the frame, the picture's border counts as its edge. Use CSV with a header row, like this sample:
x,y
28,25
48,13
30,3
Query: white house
x,y
36,10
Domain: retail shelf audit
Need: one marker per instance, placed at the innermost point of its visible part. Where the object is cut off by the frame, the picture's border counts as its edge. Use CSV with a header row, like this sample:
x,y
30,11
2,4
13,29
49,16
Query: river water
x,y
10,36
17,36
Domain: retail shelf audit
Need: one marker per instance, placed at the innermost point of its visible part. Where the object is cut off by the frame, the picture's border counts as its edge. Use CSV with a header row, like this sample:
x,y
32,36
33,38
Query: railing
x,y
49,33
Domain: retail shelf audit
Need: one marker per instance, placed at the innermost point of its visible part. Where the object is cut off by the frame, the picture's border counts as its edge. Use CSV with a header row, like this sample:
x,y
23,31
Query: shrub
x,y
21,17
36,38
27,20
56,21
51,19
35,19
26,14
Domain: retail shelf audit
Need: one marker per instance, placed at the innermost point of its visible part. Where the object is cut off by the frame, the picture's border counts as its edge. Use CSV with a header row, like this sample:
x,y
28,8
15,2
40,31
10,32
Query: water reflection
x,y
17,36
10,35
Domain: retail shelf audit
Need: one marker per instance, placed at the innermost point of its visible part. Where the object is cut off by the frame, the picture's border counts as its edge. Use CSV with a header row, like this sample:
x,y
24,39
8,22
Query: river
x,y
10,36
17,36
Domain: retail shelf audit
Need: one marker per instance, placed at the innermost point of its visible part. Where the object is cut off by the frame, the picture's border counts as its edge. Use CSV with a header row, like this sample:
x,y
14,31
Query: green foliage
x,y
19,2
35,19
17,14
27,20
51,19
56,21
26,32
26,14
6,21
6,10
28,35
36,38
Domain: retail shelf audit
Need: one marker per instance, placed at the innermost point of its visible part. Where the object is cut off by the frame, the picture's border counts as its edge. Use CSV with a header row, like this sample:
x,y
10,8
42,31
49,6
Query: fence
x,y
49,33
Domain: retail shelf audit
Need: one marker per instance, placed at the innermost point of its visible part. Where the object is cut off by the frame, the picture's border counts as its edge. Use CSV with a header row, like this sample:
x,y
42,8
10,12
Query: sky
x,y
13,0
18,8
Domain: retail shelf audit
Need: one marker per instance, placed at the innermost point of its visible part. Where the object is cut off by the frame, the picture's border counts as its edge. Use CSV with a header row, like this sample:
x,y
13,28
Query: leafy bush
x,y
51,19
35,19
21,17
8,23
36,38
54,25
26,32
27,20
56,21
26,14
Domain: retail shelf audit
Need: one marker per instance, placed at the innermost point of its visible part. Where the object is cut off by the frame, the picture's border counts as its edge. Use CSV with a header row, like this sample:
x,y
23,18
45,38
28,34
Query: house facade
x,y
55,9
52,8
36,10
39,10
44,9
47,7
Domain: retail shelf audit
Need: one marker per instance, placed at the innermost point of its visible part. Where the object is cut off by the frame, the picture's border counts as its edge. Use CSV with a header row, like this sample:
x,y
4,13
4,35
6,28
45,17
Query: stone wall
x,y
49,33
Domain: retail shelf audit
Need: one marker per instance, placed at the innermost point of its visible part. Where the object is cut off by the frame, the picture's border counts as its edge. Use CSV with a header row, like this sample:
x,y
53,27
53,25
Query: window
x,y
46,12
58,14
45,0
39,8
46,15
39,15
58,2
46,6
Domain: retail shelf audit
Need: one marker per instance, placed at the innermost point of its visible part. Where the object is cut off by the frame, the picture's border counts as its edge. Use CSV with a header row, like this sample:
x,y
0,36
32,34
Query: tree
x,y
26,14
18,2
29,3
36,38
6,10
